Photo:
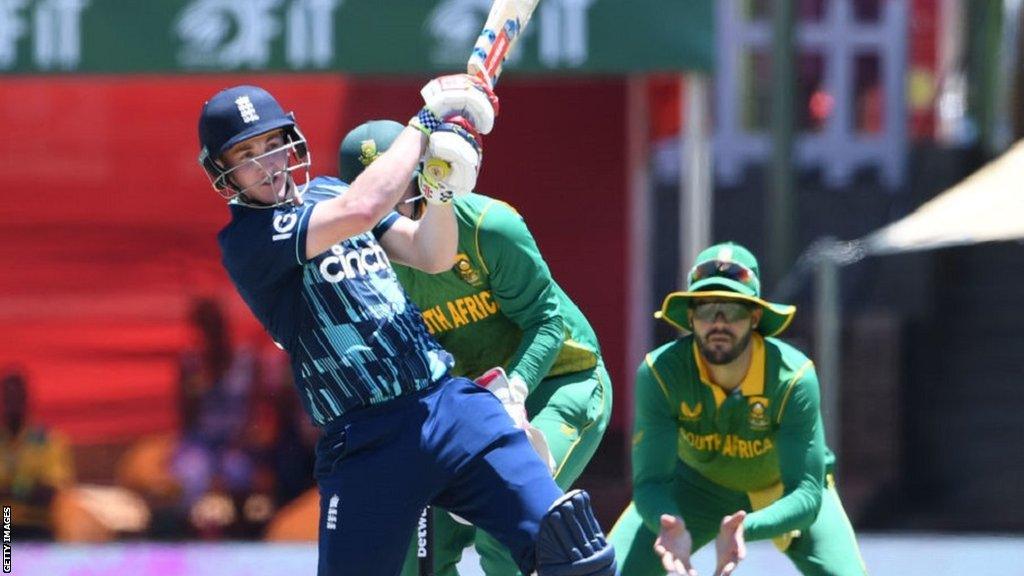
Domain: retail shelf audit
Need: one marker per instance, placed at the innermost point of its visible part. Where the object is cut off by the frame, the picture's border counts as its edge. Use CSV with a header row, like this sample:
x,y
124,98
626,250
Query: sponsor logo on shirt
x,y
688,414
284,225
348,264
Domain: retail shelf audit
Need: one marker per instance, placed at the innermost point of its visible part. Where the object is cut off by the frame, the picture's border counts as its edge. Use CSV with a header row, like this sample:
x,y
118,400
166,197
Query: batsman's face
x,y
258,166
723,328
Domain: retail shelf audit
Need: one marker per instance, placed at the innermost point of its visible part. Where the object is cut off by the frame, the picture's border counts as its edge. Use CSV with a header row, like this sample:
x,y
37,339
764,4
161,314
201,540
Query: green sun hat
x,y
363,144
725,271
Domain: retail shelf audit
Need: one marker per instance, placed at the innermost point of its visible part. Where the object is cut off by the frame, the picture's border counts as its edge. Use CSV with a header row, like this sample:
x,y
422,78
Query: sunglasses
x,y
730,311
727,270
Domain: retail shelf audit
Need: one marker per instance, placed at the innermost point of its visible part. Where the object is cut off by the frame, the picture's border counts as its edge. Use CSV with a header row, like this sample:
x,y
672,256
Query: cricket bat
x,y
504,26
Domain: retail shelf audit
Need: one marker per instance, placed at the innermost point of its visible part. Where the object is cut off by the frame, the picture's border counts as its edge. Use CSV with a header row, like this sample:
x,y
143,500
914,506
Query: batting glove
x,y
461,95
451,163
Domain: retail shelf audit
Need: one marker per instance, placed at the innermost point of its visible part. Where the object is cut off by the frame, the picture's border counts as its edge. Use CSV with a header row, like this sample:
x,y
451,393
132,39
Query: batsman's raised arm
x,y
369,198
427,244
373,194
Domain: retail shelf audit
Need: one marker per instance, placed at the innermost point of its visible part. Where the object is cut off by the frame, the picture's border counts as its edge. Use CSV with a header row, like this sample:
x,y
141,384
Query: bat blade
x,y
502,30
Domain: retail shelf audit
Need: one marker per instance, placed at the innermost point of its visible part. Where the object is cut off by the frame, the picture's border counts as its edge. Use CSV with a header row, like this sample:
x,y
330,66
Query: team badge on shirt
x,y
465,270
757,414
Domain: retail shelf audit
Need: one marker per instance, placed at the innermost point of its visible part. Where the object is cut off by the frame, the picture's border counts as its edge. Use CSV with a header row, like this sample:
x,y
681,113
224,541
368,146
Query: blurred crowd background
x,y
241,450
141,401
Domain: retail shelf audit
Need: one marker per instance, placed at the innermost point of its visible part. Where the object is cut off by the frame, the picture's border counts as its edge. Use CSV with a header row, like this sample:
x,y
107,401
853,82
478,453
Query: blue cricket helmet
x,y
237,114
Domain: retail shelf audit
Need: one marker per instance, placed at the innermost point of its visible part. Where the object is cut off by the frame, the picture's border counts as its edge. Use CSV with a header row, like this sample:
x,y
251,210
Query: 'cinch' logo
x,y
347,264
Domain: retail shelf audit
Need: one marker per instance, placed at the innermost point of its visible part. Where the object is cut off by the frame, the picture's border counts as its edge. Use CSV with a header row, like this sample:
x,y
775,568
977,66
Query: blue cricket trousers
x,y
451,445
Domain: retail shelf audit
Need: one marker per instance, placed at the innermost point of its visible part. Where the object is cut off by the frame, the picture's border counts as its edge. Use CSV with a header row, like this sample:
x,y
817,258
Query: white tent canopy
x,y
987,206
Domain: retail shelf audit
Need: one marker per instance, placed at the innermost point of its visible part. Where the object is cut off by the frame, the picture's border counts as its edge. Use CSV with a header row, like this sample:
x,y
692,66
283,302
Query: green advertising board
x,y
350,36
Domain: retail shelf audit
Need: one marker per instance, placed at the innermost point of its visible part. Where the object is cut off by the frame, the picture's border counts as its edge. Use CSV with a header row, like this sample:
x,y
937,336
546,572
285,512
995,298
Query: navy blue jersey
x,y
354,337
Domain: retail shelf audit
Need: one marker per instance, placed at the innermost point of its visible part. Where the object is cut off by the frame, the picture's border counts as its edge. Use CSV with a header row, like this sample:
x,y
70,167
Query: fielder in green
x,y
728,442
498,306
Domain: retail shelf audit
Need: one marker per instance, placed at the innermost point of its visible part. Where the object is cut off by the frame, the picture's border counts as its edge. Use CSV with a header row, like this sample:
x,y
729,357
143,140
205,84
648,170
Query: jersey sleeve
x,y
385,224
800,442
264,245
522,286
655,434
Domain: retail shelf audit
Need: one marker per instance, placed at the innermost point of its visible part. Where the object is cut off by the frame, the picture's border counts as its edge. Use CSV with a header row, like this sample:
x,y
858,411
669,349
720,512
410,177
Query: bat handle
x,y
483,76
477,65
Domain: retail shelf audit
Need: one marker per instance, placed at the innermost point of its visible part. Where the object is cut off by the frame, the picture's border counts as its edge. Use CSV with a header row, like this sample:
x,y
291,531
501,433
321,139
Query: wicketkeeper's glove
x,y
512,392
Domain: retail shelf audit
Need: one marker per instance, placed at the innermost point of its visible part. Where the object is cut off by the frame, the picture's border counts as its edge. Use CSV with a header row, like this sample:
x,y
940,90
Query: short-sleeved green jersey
x,y
498,305
765,438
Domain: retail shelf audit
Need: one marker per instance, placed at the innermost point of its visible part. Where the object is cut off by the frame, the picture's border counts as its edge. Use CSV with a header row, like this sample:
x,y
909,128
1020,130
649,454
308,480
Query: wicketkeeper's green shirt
x,y
498,305
765,438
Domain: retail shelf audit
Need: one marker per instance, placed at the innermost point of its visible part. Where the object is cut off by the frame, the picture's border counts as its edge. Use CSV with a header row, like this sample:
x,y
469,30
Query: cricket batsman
x,y
728,442
498,306
313,261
